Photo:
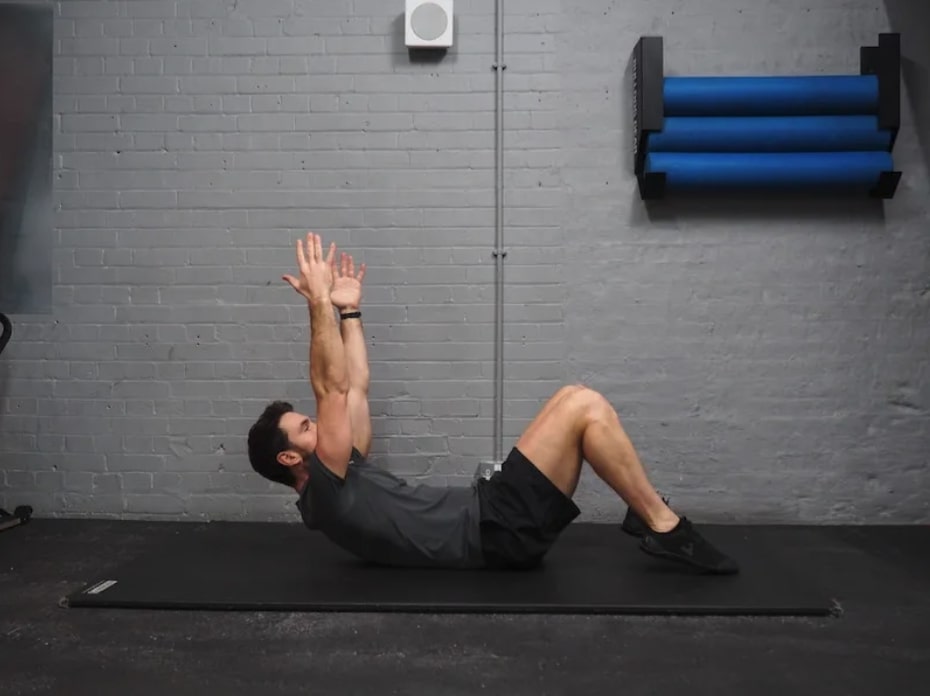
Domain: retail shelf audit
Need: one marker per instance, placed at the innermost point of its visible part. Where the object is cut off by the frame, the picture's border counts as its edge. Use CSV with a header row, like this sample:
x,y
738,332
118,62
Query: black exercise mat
x,y
594,568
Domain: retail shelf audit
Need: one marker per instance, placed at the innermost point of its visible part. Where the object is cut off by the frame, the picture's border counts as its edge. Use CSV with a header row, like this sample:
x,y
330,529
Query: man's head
x,y
279,443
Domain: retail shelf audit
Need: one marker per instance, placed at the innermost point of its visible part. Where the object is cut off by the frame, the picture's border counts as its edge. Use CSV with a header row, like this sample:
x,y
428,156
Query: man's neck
x,y
301,479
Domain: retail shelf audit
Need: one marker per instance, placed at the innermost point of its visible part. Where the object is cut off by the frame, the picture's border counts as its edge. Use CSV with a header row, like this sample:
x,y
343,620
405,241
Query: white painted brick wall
x,y
769,364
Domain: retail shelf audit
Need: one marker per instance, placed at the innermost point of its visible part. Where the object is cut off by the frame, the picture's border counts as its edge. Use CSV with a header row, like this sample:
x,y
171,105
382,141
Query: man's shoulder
x,y
355,457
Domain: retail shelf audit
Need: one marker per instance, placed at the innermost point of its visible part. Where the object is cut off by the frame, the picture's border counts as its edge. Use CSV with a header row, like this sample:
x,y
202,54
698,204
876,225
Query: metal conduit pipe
x,y
499,251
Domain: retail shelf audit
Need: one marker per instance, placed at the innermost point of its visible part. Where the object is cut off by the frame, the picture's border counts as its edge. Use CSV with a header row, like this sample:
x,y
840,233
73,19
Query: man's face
x,y
301,431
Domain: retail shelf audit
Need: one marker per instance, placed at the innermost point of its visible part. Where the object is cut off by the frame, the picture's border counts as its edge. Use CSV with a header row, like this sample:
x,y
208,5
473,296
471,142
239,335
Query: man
x,y
509,521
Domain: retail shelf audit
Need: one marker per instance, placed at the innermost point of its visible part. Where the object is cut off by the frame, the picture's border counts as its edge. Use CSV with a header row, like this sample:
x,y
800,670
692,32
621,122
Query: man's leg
x,y
578,424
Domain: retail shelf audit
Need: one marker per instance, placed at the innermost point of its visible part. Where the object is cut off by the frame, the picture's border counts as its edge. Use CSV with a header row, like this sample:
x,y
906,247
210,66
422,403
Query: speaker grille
x,y
429,21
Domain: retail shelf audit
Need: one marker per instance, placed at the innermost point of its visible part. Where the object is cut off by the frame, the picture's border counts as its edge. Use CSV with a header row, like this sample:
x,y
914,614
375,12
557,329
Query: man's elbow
x,y
330,386
359,383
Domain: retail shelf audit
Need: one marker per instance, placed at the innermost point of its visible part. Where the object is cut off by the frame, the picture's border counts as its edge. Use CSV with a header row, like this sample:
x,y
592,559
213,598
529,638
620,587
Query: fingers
x,y
315,246
310,250
292,281
302,262
314,250
346,268
313,253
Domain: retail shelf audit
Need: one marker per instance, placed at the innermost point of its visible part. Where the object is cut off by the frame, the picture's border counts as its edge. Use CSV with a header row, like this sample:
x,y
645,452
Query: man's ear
x,y
289,458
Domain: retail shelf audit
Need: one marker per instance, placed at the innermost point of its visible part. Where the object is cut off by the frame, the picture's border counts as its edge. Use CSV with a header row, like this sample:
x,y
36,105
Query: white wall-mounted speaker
x,y
428,23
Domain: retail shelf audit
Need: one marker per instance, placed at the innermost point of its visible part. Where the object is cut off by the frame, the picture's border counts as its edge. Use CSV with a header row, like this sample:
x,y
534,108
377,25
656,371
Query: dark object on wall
x,y
7,331
648,109
830,134
22,513
26,151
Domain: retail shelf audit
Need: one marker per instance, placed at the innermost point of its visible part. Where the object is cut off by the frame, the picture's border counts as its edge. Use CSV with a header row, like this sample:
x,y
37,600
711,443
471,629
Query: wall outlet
x,y
487,469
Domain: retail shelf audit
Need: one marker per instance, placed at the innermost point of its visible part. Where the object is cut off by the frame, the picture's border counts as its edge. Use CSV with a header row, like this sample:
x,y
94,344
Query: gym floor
x,y
879,643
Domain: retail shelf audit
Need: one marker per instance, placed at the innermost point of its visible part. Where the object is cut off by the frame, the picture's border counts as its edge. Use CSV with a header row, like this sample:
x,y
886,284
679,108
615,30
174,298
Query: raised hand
x,y
347,286
316,273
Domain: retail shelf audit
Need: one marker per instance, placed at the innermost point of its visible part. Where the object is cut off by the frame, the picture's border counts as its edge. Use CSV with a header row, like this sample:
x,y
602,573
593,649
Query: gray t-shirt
x,y
382,519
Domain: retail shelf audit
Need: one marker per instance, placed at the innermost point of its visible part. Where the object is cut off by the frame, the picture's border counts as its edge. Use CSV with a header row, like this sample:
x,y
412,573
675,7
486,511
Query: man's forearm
x,y
353,338
328,369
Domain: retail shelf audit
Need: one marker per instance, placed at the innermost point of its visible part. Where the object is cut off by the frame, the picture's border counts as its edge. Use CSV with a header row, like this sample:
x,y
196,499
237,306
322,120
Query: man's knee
x,y
585,403
570,389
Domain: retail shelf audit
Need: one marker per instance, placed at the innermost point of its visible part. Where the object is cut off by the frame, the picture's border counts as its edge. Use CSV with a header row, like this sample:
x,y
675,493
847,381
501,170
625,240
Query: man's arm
x,y
353,338
330,380
347,298
328,373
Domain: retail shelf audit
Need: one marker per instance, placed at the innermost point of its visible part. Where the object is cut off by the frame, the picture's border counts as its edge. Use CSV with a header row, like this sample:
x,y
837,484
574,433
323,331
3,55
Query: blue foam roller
x,y
771,96
769,134
769,170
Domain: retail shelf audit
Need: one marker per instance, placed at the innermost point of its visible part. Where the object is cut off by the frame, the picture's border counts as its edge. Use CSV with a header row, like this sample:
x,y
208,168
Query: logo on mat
x,y
100,587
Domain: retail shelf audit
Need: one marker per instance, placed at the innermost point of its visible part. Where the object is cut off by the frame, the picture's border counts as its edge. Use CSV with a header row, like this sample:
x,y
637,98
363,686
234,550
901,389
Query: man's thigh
x,y
522,514
552,441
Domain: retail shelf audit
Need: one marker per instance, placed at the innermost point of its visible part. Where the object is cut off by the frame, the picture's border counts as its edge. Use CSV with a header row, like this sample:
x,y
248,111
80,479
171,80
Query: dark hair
x,y
266,440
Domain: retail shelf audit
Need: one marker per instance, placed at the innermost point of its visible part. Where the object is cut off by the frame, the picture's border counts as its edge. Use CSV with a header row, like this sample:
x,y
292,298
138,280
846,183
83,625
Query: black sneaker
x,y
684,544
634,525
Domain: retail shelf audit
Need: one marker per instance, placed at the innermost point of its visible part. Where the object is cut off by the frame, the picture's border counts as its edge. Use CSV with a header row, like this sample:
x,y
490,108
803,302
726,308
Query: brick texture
x,y
769,363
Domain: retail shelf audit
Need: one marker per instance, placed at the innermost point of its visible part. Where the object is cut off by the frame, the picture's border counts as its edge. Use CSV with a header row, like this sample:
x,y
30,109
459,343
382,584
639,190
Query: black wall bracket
x,y
884,61
648,110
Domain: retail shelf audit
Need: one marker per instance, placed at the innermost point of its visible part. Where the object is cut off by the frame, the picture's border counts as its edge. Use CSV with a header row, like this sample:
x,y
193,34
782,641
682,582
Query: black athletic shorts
x,y
522,514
